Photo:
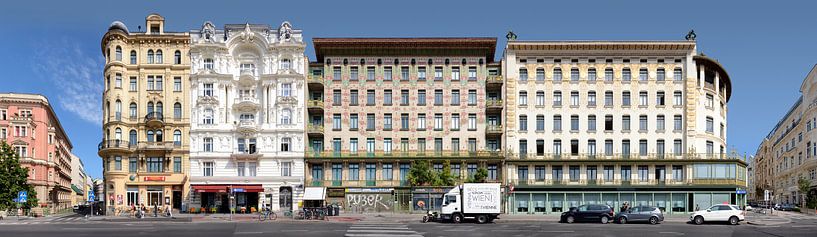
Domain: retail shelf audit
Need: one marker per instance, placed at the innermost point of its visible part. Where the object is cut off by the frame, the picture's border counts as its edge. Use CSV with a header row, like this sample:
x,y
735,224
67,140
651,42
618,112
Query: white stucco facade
x,y
247,118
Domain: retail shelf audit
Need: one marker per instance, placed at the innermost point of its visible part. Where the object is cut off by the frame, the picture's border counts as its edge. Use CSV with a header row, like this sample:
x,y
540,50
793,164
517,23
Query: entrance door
x,y
285,198
177,199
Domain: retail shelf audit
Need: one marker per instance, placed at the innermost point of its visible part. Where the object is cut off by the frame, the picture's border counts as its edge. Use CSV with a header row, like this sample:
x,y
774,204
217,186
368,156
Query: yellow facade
x,y
145,116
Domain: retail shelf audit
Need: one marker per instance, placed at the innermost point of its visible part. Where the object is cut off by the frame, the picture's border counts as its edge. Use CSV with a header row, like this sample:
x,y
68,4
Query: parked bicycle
x,y
267,214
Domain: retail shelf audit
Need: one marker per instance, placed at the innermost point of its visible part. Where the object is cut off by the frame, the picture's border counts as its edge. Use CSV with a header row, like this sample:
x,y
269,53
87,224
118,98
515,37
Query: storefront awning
x,y
223,188
77,190
314,193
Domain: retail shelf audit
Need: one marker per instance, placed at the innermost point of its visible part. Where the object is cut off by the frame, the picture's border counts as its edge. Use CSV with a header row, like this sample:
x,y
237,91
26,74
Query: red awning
x,y
223,188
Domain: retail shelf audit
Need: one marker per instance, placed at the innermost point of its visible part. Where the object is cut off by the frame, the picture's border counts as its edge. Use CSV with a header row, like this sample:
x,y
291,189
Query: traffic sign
x,y
238,190
22,196
91,196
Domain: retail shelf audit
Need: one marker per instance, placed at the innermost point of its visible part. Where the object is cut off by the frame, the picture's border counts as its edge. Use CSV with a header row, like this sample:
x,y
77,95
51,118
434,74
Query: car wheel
x,y
653,220
482,219
733,220
622,220
570,219
605,219
699,220
457,218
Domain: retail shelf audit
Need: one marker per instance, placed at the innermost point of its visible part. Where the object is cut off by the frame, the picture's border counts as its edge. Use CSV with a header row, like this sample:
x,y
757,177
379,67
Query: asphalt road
x,y
396,229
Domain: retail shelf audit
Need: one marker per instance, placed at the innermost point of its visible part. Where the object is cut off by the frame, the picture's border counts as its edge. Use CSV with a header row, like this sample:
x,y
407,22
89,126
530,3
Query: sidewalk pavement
x,y
770,219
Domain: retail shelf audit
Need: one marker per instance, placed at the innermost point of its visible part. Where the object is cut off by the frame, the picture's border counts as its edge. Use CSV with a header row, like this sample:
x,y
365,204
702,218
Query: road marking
x,y
294,230
380,227
802,226
557,231
248,233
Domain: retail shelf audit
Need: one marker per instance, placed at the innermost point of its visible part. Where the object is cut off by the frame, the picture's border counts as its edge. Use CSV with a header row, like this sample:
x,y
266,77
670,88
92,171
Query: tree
x,y
480,176
444,177
420,173
13,178
804,185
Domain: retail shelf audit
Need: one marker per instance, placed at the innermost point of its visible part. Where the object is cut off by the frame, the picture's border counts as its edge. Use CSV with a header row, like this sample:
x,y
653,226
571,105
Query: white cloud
x,y
76,78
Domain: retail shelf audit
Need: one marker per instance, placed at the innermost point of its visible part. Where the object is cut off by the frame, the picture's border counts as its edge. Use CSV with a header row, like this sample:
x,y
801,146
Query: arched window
x,y
285,64
150,136
132,111
177,57
208,116
150,56
132,137
117,134
177,110
159,108
159,56
118,105
177,138
159,135
133,57
118,53
286,116
150,107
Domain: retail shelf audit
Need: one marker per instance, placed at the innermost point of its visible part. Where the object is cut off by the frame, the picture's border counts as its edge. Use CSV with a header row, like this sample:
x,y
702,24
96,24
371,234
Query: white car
x,y
720,212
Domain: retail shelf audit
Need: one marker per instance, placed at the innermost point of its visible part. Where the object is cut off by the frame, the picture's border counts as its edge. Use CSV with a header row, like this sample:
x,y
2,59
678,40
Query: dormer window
x,y
154,29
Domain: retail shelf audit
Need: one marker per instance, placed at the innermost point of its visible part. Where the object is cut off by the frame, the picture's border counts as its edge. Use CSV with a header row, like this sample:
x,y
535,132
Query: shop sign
x,y
335,192
154,178
430,190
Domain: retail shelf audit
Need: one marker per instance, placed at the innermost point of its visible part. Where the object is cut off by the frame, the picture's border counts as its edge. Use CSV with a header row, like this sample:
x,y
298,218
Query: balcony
x,y
315,106
316,80
493,130
494,80
247,73
314,130
249,154
494,105
156,146
246,103
154,119
114,146
246,126
404,154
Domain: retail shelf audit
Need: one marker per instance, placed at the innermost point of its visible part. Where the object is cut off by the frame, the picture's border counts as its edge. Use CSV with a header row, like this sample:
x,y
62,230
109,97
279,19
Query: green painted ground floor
x,y
669,201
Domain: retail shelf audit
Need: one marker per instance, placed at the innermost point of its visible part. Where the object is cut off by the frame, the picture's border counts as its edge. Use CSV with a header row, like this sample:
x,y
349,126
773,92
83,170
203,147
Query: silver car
x,y
652,215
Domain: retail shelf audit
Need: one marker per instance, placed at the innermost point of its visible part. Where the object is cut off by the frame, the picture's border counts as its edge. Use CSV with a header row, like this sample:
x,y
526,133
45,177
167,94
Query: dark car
x,y
786,207
588,213
648,214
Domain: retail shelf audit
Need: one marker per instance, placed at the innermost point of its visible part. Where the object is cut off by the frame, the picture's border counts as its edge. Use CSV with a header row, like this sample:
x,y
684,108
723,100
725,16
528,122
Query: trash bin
x,y
336,209
330,211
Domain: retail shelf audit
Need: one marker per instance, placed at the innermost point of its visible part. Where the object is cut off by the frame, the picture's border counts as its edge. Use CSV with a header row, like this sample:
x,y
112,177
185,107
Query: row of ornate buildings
x,y
789,152
558,123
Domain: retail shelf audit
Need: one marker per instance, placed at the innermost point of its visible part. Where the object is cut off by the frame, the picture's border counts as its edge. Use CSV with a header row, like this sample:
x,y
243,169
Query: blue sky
x,y
53,47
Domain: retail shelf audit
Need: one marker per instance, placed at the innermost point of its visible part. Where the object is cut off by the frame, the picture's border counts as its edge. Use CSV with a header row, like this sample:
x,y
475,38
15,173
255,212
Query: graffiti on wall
x,y
369,202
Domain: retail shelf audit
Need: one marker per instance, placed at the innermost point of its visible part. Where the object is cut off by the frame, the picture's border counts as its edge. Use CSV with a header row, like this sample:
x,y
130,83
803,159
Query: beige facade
x,y
588,118
145,115
789,151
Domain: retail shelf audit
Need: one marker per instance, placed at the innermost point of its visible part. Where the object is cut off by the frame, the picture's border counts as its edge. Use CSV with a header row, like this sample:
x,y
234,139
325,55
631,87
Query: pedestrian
x,y
697,208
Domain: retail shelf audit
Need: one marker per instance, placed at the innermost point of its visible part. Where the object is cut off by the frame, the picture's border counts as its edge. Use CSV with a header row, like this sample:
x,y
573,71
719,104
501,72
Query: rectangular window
x,y
387,74
556,173
455,122
643,173
642,74
710,125
643,98
421,122
388,172
421,97
336,97
438,97
625,123
678,147
353,74
678,75
438,122
626,173
208,144
642,123
557,98
523,123
608,98
286,169
472,97
370,122
522,173
660,123
574,98
625,98
404,97
608,123
678,173
132,165
404,73
591,98
608,147
177,84
455,97
370,97
438,73
574,173
660,99
353,122
591,123
241,168
574,123
557,123
132,84
336,123
354,172
472,122
608,74
353,98
207,168
370,73
177,164
118,163
387,98
472,73
574,74
421,73
455,73
208,89
387,122
337,172
404,122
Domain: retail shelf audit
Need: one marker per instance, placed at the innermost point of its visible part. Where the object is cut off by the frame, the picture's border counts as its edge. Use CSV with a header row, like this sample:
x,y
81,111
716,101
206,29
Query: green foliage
x,y
479,177
420,173
803,185
445,178
13,178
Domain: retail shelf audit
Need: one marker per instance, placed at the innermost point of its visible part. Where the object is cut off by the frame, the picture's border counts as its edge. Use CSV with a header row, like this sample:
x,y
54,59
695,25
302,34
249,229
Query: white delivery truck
x,y
479,201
